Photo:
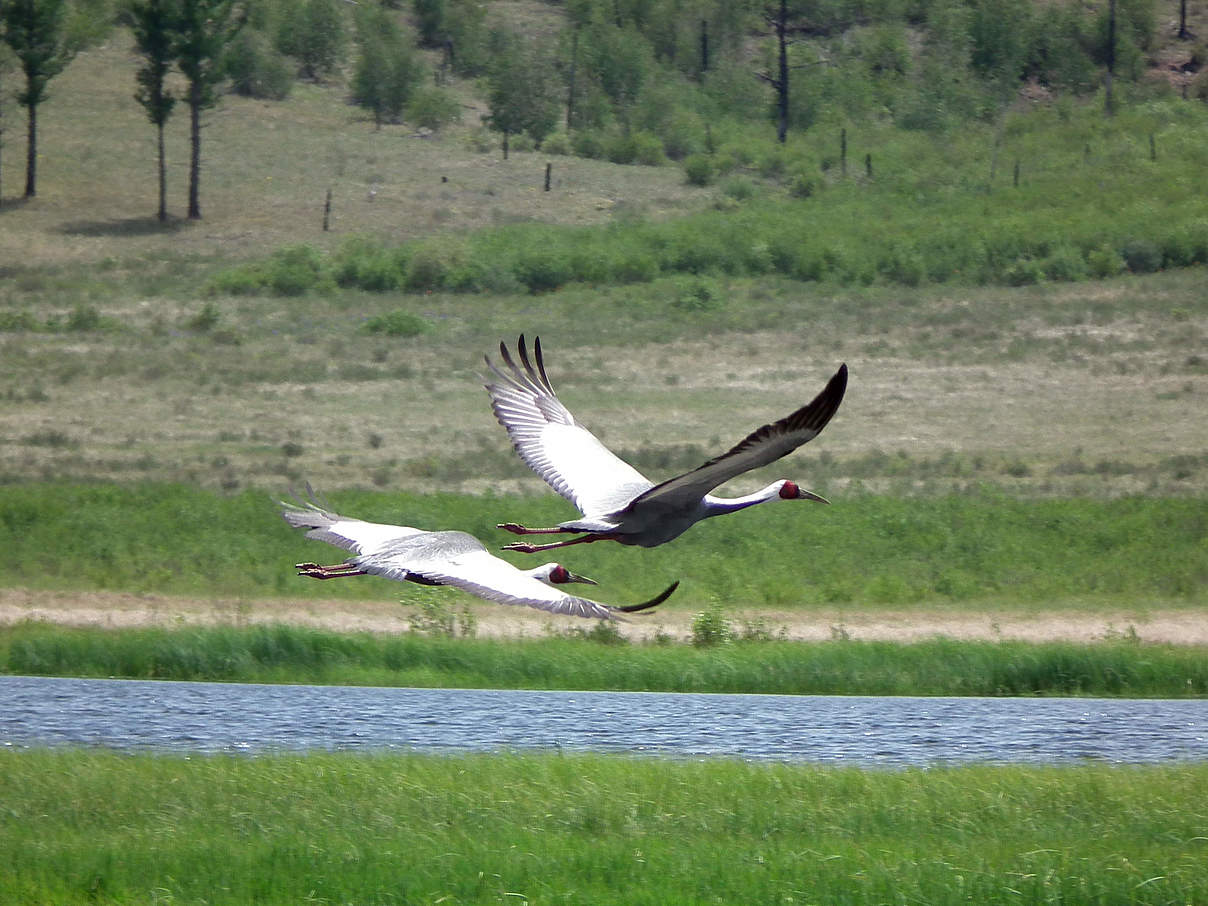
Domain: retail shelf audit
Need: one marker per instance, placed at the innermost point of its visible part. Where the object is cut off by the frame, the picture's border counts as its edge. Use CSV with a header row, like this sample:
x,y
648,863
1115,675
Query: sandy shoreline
x,y
119,609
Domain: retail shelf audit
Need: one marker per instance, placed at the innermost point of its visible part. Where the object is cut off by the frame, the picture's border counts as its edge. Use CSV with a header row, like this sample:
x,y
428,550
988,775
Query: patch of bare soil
x,y
122,610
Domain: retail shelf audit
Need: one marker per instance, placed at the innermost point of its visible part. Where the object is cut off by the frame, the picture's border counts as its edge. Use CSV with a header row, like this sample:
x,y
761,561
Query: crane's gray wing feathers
x,y
483,574
550,442
762,446
354,535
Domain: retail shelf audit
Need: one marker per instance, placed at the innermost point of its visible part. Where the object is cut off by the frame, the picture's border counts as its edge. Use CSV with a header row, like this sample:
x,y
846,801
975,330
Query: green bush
x,y
294,271
433,108
432,261
397,323
1064,263
1141,256
696,294
588,143
540,270
364,263
698,168
710,627
17,321
1104,261
559,143
256,69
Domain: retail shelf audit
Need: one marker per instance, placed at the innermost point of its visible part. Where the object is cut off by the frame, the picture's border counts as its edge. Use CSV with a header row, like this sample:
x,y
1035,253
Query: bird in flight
x,y
445,558
618,503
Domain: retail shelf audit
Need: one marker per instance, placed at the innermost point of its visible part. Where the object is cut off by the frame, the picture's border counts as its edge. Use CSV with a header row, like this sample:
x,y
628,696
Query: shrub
x,y
905,266
17,321
710,627
541,270
698,168
432,108
293,271
397,323
559,143
1064,263
206,319
1024,272
431,263
82,318
739,188
363,263
683,135
648,150
803,185
1141,256
1104,261
588,143
256,69
696,294
240,281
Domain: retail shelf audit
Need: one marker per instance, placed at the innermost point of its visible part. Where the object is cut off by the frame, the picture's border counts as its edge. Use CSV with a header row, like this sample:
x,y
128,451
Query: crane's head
x,y
789,490
557,574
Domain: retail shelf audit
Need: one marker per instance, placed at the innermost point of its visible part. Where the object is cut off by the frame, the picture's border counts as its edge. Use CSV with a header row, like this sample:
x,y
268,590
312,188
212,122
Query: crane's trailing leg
x,y
336,571
517,529
525,548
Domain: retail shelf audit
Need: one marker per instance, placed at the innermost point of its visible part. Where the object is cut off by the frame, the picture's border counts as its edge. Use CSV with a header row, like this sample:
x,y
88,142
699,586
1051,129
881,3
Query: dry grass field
x,y
266,170
1086,387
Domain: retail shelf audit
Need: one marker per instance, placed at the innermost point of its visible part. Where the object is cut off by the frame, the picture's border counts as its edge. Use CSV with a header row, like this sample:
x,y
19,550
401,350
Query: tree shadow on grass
x,y
130,226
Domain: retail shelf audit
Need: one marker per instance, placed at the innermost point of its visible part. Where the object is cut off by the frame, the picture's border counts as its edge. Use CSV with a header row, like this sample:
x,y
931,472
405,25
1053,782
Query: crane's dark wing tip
x,y
653,602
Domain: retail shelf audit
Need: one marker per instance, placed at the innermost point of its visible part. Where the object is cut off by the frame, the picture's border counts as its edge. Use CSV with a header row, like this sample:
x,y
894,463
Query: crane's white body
x,y
443,558
618,503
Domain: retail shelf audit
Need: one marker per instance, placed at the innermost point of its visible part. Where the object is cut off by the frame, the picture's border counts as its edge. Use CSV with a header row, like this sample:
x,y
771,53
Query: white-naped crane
x,y
618,503
445,558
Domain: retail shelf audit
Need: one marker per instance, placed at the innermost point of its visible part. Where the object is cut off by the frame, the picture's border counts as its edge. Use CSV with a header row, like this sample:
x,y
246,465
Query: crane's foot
x,y
339,570
514,527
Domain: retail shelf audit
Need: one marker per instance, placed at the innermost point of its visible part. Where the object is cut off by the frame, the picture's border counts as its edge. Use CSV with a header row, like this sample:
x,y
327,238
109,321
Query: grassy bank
x,y
277,653
93,827
863,549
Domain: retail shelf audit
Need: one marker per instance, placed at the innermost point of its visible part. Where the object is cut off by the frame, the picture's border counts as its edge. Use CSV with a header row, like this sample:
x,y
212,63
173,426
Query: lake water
x,y
861,731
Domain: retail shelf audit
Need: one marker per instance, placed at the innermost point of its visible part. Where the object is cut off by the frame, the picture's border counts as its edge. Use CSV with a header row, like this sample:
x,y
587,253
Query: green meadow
x,y
85,827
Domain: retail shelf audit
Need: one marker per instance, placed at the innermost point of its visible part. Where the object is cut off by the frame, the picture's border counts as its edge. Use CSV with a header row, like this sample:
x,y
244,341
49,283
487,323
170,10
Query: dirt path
x,y
116,609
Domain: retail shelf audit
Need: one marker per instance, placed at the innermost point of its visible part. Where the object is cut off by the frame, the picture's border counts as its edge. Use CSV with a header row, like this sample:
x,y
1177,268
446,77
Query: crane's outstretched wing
x,y
460,560
354,535
762,446
549,440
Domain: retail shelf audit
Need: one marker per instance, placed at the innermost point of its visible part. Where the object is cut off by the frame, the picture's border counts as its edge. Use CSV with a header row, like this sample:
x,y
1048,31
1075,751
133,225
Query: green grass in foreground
x,y
863,549
278,653
96,827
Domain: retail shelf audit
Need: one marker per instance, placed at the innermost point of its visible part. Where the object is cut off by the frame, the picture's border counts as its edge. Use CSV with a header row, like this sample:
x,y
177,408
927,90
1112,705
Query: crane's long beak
x,y
803,494
575,577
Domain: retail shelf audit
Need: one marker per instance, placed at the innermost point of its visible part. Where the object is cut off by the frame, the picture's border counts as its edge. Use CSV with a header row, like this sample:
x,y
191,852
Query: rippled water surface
x,y
227,717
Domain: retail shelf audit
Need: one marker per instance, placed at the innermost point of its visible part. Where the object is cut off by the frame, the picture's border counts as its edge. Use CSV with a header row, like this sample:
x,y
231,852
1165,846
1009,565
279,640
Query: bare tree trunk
x,y
782,84
195,152
1108,107
31,153
704,45
1184,34
163,177
570,91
